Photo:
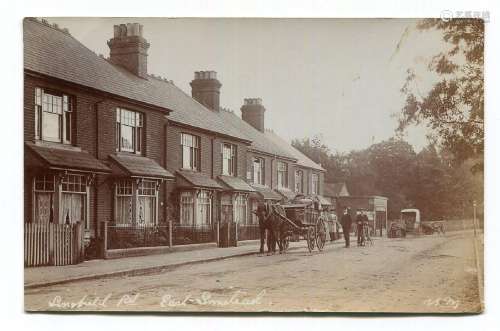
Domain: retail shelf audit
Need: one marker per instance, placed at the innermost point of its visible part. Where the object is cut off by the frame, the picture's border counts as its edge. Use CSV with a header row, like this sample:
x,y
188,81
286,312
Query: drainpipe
x,y
96,110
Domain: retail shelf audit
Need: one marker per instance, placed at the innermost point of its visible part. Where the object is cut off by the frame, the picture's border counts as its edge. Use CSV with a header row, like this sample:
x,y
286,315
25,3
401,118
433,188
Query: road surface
x,y
422,274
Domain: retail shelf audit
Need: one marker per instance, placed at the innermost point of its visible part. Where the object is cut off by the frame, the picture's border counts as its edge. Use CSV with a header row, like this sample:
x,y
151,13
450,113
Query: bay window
x,y
129,125
74,199
61,199
123,202
136,202
258,171
53,116
146,202
229,159
282,174
190,151
43,189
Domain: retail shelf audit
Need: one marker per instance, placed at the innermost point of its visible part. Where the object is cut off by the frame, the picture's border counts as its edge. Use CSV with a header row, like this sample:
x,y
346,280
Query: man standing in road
x,y
346,222
359,226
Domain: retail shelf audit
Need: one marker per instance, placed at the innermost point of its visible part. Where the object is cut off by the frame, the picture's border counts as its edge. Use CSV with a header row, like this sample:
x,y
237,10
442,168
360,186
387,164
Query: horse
x,y
271,219
264,214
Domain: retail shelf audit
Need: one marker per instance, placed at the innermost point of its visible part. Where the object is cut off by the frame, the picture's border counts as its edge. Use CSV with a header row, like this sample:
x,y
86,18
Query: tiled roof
x,y
266,193
188,111
333,189
52,52
301,158
140,166
260,142
236,184
198,179
62,158
286,193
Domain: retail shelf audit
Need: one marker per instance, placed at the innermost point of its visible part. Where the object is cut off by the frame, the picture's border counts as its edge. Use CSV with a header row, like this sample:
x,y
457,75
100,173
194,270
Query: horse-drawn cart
x,y
304,221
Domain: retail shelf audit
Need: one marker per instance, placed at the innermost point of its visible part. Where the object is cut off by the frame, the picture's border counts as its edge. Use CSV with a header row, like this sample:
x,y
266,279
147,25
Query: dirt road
x,y
424,274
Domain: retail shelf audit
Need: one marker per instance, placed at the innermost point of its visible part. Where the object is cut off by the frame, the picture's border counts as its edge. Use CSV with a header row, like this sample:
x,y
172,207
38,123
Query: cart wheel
x,y
311,238
320,233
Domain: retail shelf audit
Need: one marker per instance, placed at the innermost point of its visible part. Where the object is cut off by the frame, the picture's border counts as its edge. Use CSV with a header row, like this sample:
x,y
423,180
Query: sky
x,y
338,79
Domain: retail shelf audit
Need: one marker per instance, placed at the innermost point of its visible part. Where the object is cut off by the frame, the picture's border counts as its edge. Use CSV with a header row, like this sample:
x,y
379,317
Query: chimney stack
x,y
205,88
129,49
252,112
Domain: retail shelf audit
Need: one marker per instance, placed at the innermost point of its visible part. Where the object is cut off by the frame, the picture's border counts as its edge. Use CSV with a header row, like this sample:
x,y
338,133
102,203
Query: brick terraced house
x,y
117,158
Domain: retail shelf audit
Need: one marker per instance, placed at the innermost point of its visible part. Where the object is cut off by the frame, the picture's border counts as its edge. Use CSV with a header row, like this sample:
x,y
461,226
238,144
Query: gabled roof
x,y
302,160
335,189
62,158
260,142
140,166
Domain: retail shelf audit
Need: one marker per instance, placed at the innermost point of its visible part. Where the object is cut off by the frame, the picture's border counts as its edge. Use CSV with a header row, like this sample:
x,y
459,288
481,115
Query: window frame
x,y
64,111
134,120
315,184
203,200
261,180
193,150
282,172
299,179
63,184
232,162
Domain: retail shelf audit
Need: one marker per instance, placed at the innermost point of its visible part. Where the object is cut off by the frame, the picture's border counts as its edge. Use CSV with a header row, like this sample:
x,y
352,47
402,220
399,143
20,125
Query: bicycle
x,y
366,238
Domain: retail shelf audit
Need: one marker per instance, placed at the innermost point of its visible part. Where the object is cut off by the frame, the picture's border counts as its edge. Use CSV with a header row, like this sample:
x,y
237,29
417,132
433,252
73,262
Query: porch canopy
x,y
192,179
286,193
63,158
231,183
266,193
138,166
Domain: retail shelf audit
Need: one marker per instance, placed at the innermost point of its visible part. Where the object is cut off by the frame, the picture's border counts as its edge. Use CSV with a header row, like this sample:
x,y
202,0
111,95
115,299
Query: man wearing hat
x,y
360,218
346,222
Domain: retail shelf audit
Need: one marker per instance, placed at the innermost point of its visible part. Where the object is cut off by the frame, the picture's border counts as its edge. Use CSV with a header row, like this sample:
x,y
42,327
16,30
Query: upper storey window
x,y
53,112
190,151
129,131
229,159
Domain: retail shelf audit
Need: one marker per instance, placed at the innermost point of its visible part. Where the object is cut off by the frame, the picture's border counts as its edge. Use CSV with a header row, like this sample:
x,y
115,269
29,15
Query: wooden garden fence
x,y
52,244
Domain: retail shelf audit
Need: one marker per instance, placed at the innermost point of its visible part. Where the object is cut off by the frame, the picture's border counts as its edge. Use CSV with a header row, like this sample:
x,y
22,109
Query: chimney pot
x,y
252,112
205,88
129,49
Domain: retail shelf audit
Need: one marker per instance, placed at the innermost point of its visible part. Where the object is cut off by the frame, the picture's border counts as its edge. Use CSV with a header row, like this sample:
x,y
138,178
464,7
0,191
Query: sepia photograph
x,y
254,165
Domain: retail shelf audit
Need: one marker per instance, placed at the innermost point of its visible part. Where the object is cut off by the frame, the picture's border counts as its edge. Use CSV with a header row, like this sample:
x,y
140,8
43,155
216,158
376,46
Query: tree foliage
x,y
429,180
454,107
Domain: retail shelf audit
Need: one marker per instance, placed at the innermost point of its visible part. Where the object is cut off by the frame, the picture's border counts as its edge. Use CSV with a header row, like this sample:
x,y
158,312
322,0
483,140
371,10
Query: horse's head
x,y
261,212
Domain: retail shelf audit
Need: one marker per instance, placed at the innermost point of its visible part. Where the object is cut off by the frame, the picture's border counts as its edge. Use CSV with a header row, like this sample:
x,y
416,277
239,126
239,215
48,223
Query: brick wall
x,y
94,132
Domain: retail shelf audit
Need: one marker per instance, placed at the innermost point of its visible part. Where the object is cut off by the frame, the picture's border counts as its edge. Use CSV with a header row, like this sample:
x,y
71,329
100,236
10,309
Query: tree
x,y
454,107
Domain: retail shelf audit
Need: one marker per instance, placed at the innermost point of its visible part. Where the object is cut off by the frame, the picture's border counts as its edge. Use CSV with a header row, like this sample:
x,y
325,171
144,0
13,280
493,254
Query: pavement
x,y
130,266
